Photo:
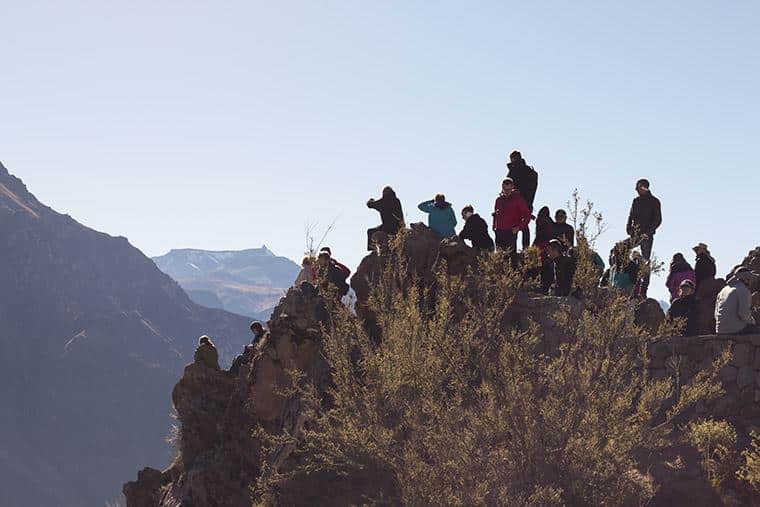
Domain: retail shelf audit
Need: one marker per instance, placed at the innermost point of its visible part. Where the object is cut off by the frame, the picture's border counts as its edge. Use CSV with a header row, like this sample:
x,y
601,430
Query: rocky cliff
x,y
92,338
220,413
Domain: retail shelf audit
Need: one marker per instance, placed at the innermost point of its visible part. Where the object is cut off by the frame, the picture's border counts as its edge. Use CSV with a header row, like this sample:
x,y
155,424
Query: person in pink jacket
x,y
680,270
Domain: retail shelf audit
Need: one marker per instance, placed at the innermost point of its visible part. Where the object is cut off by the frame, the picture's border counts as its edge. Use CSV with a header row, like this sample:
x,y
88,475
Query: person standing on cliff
x,y
526,181
733,309
643,220
441,218
704,266
476,230
206,353
391,214
511,215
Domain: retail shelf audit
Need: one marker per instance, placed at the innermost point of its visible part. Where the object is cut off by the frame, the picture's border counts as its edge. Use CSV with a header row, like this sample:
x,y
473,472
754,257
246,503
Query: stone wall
x,y
740,377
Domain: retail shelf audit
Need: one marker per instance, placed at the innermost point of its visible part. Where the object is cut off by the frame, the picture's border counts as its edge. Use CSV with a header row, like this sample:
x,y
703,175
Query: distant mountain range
x,y
246,282
93,336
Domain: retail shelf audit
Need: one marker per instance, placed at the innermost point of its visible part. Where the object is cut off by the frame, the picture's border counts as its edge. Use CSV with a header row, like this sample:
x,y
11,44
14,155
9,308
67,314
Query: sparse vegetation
x,y
749,471
716,443
463,407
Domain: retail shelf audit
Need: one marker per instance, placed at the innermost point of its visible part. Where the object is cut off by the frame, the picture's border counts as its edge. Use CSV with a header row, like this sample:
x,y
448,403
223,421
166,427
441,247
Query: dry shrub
x,y
749,472
716,442
463,408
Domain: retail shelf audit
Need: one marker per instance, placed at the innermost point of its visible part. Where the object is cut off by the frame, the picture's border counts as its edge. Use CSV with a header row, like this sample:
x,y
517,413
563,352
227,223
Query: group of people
x,y
324,270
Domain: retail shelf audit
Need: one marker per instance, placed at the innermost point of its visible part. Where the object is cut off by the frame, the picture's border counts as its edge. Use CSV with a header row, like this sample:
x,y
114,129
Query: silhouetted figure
x,y
680,270
624,272
391,214
704,265
441,217
511,214
544,228
733,309
257,329
329,274
526,181
206,353
563,231
685,306
563,267
643,220
476,230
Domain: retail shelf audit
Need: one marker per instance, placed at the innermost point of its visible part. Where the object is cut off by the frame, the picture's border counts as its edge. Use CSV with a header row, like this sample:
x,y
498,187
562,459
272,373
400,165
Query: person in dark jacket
x,y
544,228
476,230
563,231
391,214
563,267
342,267
328,273
206,354
526,181
704,266
511,215
685,306
643,220
257,329
441,217
680,270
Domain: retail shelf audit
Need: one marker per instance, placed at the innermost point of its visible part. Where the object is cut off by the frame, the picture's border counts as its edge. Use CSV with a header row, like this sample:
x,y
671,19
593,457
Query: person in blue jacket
x,y
441,216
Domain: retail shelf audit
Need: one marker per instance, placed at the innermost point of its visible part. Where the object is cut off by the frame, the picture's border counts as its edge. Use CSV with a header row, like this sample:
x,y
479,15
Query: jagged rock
x,y
649,315
147,489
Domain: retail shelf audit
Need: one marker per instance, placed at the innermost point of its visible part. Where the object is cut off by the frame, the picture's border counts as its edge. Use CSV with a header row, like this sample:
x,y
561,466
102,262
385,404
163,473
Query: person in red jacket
x,y
511,215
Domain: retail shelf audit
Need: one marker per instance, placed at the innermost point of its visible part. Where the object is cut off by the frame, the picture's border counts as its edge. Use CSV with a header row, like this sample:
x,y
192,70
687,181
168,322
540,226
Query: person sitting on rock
x,y
544,228
511,215
308,272
733,308
526,181
563,231
563,267
441,217
329,274
704,266
343,268
206,354
258,332
391,214
685,307
476,230
680,270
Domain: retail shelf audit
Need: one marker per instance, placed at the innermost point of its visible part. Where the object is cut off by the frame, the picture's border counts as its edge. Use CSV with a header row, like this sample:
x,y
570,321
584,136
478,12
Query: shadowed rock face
x,y
92,337
218,411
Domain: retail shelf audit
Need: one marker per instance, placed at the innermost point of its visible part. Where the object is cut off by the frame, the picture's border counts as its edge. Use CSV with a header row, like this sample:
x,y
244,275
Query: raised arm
x,y
426,206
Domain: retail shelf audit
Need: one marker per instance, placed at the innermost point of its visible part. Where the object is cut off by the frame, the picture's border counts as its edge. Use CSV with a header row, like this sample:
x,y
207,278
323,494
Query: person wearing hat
x,y
733,308
685,307
704,266
643,220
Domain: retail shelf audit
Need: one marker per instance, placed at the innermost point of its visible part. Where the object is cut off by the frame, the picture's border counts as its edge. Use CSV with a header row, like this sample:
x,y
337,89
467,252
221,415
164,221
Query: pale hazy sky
x,y
227,125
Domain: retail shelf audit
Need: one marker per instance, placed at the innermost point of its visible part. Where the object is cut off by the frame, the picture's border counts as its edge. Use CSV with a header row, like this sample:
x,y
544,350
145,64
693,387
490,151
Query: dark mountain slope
x,y
92,338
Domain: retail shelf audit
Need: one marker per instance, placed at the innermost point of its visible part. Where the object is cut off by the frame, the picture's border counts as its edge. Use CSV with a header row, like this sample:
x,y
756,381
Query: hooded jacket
x,y
733,308
390,210
441,218
510,211
526,180
476,230
645,215
680,270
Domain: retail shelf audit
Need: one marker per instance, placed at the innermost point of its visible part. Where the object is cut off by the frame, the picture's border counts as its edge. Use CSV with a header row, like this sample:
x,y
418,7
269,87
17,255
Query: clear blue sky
x,y
227,125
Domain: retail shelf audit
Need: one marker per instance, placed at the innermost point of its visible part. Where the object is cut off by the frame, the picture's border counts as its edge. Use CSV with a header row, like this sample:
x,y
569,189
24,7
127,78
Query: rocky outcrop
x,y
220,459
92,338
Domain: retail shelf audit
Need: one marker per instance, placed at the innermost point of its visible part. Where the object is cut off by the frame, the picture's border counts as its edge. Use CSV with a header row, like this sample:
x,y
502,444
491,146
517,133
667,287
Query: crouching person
x,y
685,307
206,353
563,267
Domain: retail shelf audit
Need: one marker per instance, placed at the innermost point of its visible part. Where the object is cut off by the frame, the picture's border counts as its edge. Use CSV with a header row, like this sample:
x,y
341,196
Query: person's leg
x,y
525,233
511,240
501,239
646,252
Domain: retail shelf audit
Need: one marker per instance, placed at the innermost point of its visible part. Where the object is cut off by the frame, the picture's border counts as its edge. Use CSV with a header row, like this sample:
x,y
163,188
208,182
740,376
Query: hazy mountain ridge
x,y
92,337
247,282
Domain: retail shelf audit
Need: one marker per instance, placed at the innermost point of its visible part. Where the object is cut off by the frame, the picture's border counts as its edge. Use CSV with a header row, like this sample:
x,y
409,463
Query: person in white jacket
x,y
733,308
